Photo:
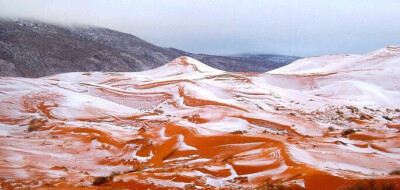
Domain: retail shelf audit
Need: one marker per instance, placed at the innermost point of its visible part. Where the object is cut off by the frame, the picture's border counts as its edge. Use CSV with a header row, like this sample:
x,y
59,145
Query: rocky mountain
x,y
34,49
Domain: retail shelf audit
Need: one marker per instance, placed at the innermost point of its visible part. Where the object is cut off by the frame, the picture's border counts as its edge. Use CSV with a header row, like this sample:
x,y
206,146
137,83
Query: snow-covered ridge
x,y
192,63
185,65
385,58
371,79
180,68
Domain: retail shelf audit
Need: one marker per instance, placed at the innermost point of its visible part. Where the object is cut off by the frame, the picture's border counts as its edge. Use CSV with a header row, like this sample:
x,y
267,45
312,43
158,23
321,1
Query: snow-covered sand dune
x,y
332,118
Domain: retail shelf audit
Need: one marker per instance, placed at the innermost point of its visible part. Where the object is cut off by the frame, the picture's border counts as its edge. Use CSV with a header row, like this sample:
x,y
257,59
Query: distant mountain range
x,y
35,49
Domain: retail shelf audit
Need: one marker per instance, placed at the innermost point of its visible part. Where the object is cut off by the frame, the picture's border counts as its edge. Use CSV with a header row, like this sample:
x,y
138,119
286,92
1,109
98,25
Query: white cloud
x,y
295,27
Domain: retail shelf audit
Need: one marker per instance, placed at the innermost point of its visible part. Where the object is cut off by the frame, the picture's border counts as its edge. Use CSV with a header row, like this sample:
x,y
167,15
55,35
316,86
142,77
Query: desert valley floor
x,y
329,122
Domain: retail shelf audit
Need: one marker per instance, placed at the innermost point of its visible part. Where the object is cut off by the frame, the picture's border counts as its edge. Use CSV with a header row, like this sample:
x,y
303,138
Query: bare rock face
x,y
8,69
33,49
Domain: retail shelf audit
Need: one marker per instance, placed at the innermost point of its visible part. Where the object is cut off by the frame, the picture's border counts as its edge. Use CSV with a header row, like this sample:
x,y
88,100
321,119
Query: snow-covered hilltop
x,y
366,80
382,59
186,125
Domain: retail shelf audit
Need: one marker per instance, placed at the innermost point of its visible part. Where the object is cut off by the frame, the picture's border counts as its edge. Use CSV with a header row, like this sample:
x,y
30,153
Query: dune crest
x,y
185,125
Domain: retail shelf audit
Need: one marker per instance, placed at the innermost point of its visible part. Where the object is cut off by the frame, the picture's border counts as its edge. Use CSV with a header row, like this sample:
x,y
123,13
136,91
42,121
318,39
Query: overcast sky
x,y
295,27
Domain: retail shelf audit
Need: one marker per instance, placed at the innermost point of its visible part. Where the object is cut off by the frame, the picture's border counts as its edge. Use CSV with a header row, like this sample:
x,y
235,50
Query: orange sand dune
x,y
188,126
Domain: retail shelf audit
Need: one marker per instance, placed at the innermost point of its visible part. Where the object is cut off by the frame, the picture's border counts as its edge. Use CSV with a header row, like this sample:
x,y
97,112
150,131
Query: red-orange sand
x,y
188,126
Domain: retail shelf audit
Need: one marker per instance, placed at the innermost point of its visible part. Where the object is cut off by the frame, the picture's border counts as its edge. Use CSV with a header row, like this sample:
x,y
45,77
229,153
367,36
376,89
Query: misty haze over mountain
x,y
300,27
34,49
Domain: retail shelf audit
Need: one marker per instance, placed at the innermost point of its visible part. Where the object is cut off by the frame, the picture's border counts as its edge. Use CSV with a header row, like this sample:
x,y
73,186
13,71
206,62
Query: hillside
x,y
329,122
34,49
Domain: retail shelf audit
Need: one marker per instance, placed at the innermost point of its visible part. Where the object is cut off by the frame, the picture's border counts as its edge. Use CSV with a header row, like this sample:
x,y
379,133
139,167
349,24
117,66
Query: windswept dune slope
x,y
366,80
187,125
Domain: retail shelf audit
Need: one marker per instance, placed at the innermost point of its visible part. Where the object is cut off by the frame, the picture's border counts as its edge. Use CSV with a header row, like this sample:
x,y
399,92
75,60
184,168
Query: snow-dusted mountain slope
x,y
329,122
35,49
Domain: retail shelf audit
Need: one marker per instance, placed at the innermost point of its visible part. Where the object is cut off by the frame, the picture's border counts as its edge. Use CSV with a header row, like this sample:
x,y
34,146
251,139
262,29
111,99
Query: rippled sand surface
x,y
188,126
